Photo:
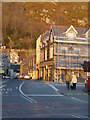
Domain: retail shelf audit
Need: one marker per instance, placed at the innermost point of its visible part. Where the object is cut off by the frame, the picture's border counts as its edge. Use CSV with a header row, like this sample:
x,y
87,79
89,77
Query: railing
x,y
74,40
69,52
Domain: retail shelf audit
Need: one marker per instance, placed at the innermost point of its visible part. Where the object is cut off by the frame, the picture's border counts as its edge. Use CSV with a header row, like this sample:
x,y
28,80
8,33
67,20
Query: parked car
x,y
6,77
15,77
26,77
21,77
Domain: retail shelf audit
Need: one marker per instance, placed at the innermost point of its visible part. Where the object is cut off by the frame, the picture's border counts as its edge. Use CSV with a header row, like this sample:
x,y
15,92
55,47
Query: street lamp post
x,y
47,71
70,48
78,64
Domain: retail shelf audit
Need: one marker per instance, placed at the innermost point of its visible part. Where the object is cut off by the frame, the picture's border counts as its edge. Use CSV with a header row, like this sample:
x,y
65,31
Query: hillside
x,y
22,23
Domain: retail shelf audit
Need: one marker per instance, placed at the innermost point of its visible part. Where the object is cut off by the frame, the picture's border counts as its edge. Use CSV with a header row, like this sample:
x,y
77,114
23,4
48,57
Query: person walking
x,y
74,81
68,79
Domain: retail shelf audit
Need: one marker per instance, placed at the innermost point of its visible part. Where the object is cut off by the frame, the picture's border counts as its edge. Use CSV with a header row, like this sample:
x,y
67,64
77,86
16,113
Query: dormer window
x,y
70,36
71,33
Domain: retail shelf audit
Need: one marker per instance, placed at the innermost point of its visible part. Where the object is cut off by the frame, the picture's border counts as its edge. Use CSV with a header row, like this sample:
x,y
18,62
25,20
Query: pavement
x,y
80,89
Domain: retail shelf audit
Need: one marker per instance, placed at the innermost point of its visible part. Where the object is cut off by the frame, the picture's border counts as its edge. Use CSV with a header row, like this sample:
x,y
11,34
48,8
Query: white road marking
x,y
25,96
26,99
83,116
75,116
45,95
10,89
79,100
54,88
2,86
16,87
7,89
80,116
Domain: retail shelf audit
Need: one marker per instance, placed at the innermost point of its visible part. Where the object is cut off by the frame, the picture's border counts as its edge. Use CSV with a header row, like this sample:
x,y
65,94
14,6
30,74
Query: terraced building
x,y
61,50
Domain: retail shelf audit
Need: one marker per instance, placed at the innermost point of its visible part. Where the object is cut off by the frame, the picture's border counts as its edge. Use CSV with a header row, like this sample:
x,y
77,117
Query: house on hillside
x,y
4,64
3,47
32,67
62,50
43,63
38,45
14,57
28,66
14,70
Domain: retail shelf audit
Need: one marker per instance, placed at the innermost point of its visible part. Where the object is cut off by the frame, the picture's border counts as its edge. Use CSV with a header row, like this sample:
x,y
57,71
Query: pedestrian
x,y
74,81
68,79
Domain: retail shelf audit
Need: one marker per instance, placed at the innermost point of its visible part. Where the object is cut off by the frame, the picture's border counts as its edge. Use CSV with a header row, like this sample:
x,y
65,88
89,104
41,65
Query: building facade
x,y
62,50
45,63
14,70
28,66
32,67
38,43
4,64
14,57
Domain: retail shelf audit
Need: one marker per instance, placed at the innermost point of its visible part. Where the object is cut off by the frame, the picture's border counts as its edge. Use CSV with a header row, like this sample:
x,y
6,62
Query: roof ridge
x,y
58,26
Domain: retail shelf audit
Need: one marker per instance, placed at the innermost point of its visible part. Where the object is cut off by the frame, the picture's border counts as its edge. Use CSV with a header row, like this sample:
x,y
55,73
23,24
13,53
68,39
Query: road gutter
x,y
58,91
54,88
75,116
81,116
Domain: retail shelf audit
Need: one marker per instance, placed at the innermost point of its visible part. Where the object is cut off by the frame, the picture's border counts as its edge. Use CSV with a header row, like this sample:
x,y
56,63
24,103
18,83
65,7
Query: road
x,y
38,99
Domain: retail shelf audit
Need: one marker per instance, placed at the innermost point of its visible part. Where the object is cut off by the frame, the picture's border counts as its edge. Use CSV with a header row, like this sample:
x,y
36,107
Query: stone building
x,y
61,50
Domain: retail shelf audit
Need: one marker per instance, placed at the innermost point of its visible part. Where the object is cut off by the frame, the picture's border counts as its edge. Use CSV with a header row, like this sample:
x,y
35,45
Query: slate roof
x,y
58,31
45,35
81,32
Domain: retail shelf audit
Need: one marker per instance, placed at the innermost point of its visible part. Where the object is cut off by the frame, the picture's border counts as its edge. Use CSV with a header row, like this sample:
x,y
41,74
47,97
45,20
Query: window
x,y
51,39
56,48
76,51
15,59
65,57
51,52
56,38
70,36
45,54
63,51
41,45
42,56
11,61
